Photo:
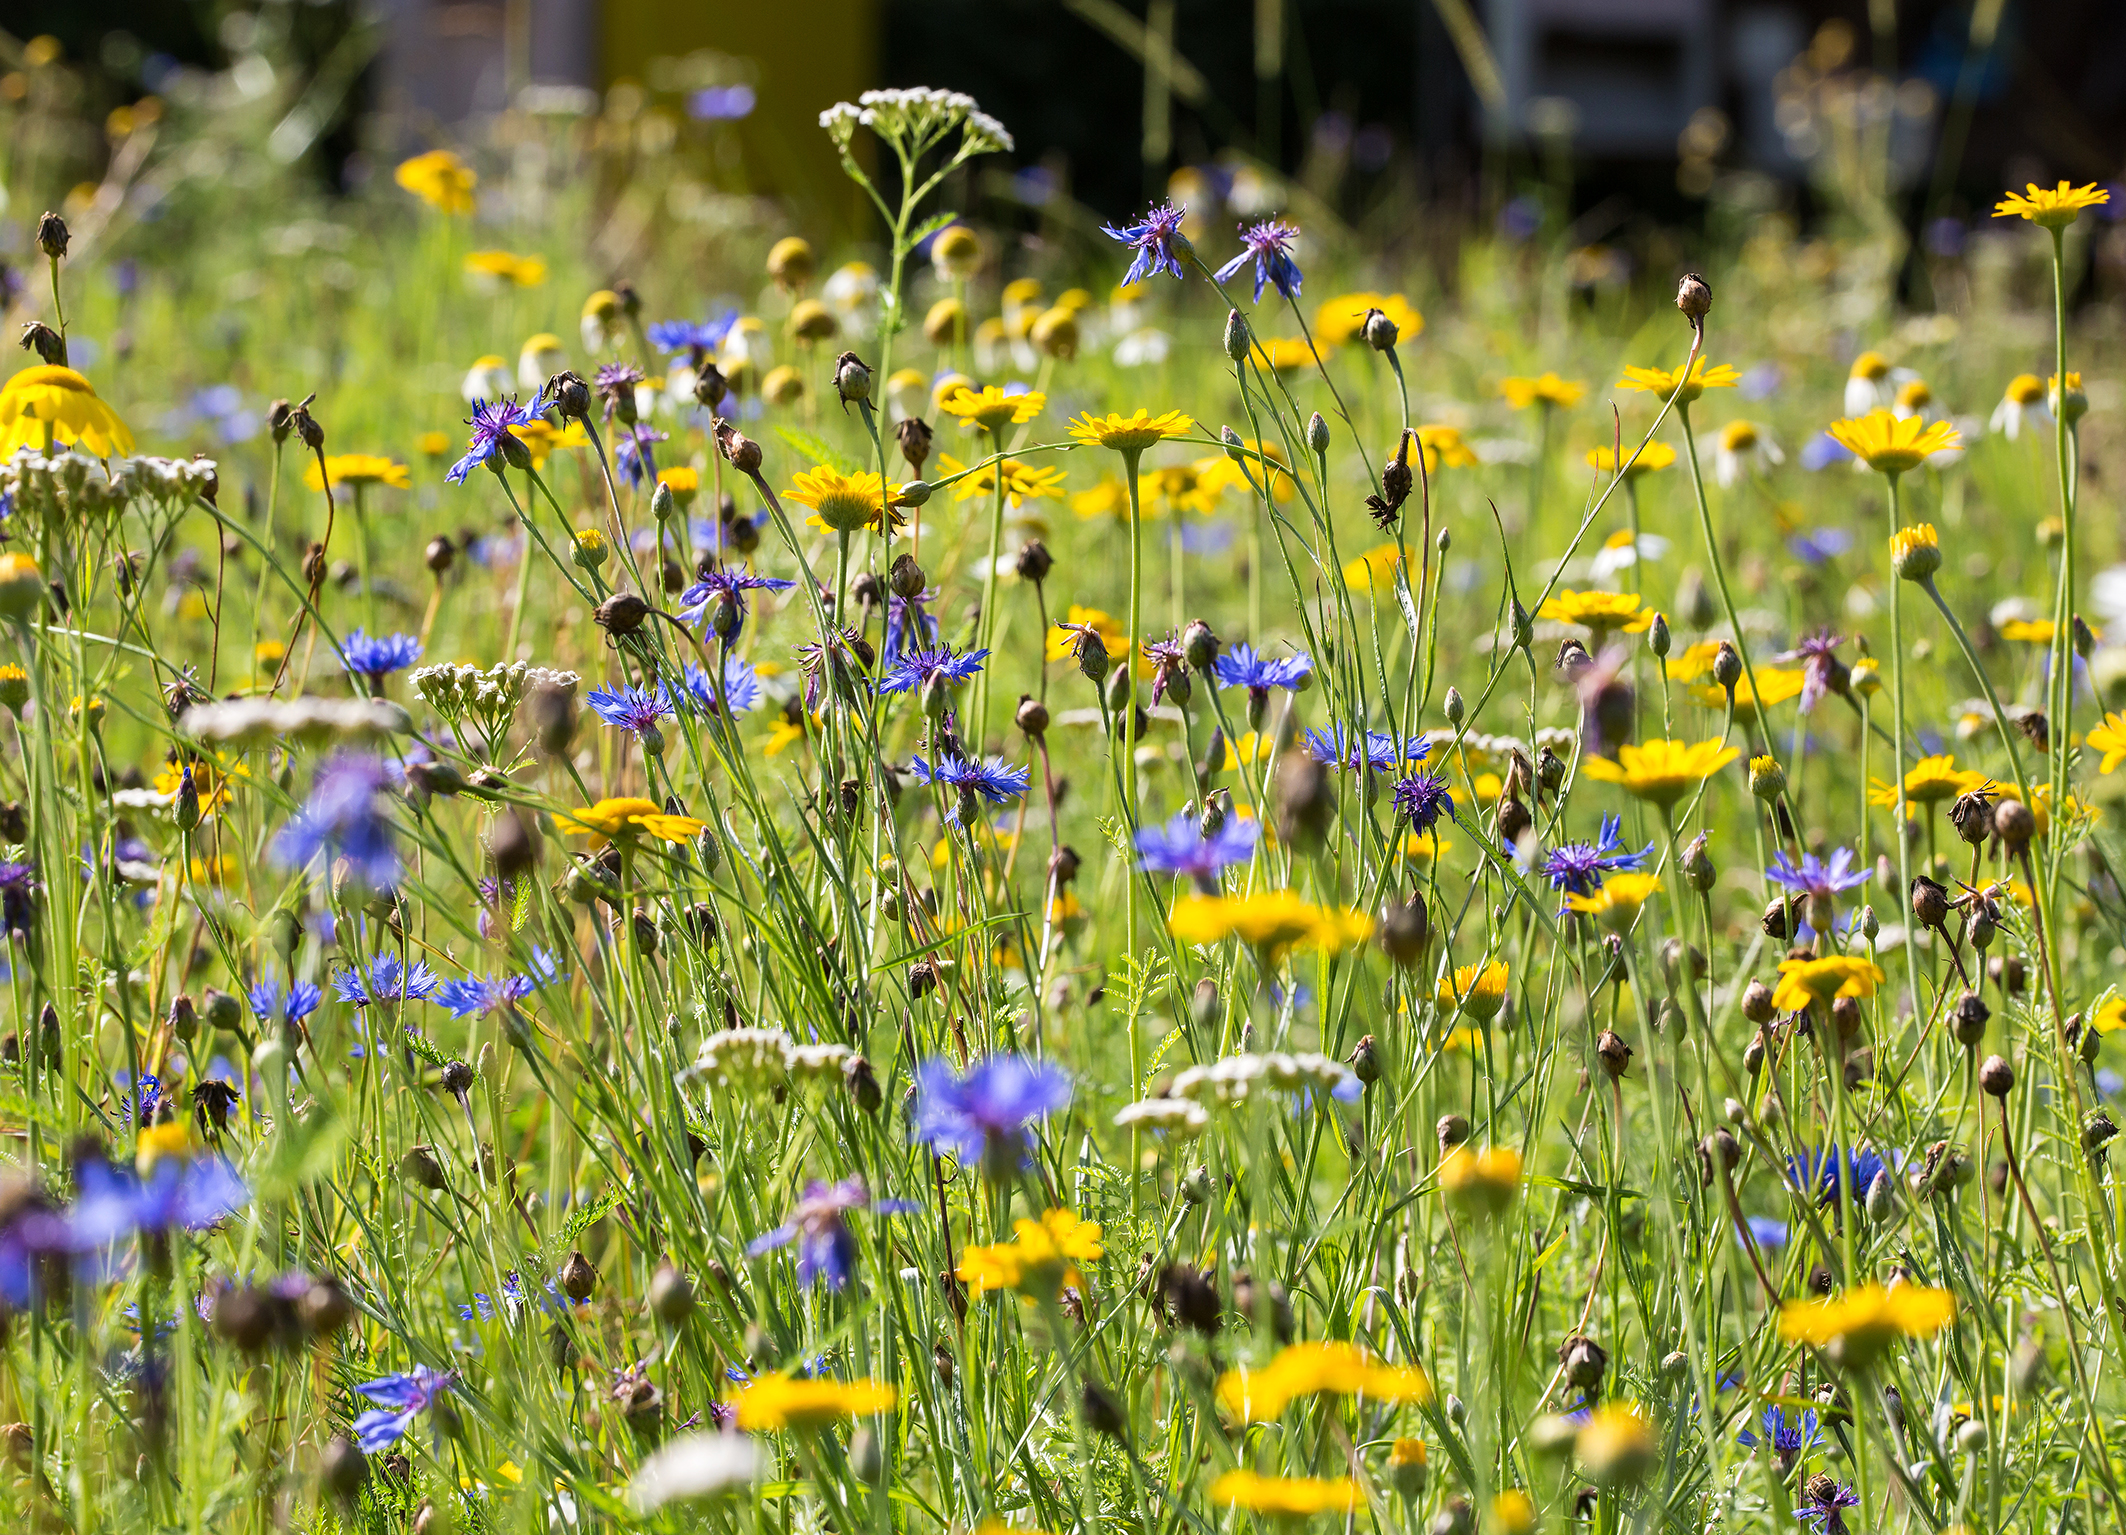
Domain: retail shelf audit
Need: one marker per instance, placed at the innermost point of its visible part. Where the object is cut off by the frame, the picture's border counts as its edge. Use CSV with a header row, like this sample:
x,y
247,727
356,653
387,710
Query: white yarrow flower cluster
x,y
1234,1078
750,1061
916,117
814,1064
72,483
249,722
489,696
1181,1118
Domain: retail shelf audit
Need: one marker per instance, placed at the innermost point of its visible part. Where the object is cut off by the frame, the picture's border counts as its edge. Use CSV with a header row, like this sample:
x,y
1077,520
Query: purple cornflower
x,y
1422,799
634,709
993,780
1242,666
345,815
479,995
1819,547
1825,1499
147,1097
1822,671
1377,752
740,691
18,889
490,424
388,981
616,383
376,656
1180,847
1169,663
697,338
634,452
37,1250
268,1003
513,1298
1576,868
1152,237
908,623
826,1247
983,1115
1788,1439
1267,244
1819,1170
400,1399
729,585
917,668
175,1193
1817,881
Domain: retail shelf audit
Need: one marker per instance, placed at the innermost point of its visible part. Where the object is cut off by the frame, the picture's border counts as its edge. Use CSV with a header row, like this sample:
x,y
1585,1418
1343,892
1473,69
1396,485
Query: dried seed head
x,y
1996,1078
1380,331
1757,1002
1970,1018
1614,1053
2015,824
1405,930
1727,665
1451,1130
1694,296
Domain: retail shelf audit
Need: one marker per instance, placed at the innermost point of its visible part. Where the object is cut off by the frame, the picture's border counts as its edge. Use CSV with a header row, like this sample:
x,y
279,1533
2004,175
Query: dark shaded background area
x,y
1376,85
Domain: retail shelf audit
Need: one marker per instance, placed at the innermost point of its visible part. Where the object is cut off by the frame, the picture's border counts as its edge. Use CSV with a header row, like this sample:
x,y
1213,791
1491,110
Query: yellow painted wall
x,y
810,54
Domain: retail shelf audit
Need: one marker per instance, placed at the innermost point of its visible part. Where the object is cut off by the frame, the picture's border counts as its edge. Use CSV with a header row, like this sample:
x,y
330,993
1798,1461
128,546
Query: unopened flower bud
x,y
1694,297
1658,639
1405,930
852,380
1380,332
1767,777
2014,824
671,1298
1236,336
621,614
1317,433
1034,562
52,236
1365,1060
1032,716
1199,646
1614,1054
1727,665
1697,865
1969,1019
1757,1004
1453,707
578,1279
1451,1131
1996,1078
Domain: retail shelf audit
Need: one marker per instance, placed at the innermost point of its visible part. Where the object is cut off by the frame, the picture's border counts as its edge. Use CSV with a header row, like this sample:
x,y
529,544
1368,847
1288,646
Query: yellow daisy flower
x,y
434,444
1927,782
1780,683
1276,921
1477,990
505,267
1600,613
1489,1178
357,469
1373,569
1282,354
1342,319
1063,643
440,179
1126,434
2053,207
1286,1497
59,402
1807,982
1022,482
991,408
1548,389
1663,381
1318,1369
1854,1326
1655,456
1181,488
774,1400
845,502
2110,739
1891,444
1444,445
1218,473
1109,498
1616,903
612,819
1661,772
1040,1259
544,440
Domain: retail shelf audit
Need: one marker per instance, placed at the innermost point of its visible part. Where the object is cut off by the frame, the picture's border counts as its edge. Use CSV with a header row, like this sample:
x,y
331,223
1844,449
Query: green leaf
x,y
816,450
931,226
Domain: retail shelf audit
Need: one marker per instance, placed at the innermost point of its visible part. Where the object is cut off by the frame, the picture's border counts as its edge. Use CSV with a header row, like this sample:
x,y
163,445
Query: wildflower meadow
x,y
1204,877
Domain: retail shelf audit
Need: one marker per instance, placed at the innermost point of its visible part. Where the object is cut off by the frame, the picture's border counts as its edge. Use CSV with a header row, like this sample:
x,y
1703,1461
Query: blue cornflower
x,y
1819,1170
916,668
1378,751
146,1097
826,1247
634,709
175,1193
480,995
993,780
983,1115
1180,847
696,337
1153,238
1827,1501
1788,1439
490,424
1824,450
400,1399
1241,666
720,104
1268,246
908,622
729,584
268,1003
1576,868
344,814
18,896
1766,1232
741,688
513,1298
1422,799
388,981
1816,878
1819,546
634,452
376,656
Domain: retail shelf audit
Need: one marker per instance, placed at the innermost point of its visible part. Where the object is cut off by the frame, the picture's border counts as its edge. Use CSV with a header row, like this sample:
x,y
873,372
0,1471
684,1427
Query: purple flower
x,y
634,453
1815,879
1766,1232
1576,868
480,995
1267,245
1378,752
345,815
1825,1501
388,981
376,656
634,709
1823,672
1823,450
18,889
908,623
1421,799
697,338
400,1399
175,1194
490,424
1180,847
1819,1170
721,103
1787,1438
993,780
1241,666
268,1003
513,1299
826,1248
726,584
37,1252
1819,547
983,1115
1152,237
916,669
741,688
